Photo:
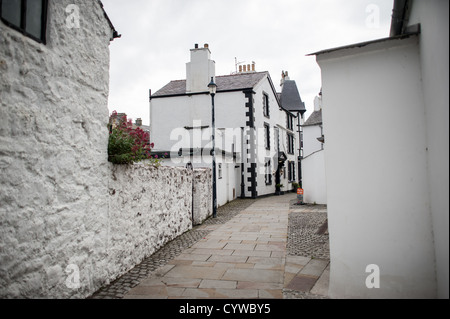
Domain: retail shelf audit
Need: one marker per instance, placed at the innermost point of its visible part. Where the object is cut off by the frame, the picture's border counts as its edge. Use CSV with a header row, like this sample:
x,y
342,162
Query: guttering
x,y
400,17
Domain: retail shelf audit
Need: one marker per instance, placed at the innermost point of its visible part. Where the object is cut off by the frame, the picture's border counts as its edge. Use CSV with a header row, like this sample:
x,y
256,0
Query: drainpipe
x,y
242,165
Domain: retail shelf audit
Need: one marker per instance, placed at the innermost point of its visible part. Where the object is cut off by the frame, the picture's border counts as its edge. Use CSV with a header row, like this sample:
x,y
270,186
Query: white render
x,y
381,169
434,62
314,179
313,162
198,72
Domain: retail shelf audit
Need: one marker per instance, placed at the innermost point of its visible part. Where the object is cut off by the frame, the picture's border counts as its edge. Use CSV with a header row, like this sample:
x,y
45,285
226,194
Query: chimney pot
x,y
206,45
253,67
196,45
245,68
240,68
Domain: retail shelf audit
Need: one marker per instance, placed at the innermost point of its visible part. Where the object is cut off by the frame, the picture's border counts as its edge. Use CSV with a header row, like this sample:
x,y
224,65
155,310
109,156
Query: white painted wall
x,y
434,61
53,153
314,179
310,142
377,177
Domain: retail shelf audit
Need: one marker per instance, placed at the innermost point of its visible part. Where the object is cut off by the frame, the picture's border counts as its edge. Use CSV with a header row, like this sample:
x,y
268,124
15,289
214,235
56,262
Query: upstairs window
x,y
266,105
290,121
290,143
29,17
267,136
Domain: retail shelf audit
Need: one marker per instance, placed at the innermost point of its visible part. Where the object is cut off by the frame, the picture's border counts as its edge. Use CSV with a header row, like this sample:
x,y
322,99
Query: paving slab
x,y
245,257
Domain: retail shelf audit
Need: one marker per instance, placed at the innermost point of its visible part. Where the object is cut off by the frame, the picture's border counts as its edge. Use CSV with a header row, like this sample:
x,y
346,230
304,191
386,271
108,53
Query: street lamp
x,y
212,91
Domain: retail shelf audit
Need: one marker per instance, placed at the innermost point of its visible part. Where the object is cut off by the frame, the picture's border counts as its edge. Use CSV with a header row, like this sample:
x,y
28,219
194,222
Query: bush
x,y
127,145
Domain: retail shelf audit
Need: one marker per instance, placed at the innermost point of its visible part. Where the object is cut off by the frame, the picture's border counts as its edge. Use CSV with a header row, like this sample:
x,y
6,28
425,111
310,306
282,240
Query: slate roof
x,y
234,82
290,98
314,119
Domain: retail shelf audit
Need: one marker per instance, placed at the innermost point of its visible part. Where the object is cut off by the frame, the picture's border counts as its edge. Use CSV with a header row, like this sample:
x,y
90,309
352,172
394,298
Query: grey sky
x,y
158,34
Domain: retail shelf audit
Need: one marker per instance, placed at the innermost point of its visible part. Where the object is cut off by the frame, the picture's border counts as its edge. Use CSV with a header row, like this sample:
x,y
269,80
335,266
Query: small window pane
x,y
34,18
11,11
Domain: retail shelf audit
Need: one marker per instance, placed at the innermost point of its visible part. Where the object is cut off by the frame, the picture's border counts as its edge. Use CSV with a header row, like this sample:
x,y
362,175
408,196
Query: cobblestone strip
x,y
307,237
118,288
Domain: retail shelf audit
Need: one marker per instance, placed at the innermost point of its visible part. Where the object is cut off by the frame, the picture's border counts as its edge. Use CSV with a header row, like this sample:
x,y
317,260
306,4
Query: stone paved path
x,y
246,256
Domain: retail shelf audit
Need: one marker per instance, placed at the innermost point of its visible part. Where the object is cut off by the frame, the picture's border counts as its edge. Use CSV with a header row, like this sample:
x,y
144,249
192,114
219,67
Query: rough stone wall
x,y
67,216
148,208
202,197
53,153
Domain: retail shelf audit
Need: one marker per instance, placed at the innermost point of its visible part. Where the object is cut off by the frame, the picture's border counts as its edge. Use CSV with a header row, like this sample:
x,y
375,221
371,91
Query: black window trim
x,y
268,171
23,21
290,143
267,135
266,105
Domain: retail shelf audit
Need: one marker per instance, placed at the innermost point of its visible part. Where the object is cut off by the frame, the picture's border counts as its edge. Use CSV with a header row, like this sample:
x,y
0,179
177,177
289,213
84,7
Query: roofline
x,y
198,93
414,31
400,17
115,33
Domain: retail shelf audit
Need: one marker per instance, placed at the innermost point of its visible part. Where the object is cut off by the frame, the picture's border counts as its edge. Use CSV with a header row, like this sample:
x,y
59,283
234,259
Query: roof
x,y
290,98
314,119
225,83
115,34
413,32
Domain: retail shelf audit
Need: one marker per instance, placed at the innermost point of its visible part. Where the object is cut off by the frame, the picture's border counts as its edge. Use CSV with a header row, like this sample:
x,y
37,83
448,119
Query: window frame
x,y
291,171
266,107
290,143
268,171
267,136
23,21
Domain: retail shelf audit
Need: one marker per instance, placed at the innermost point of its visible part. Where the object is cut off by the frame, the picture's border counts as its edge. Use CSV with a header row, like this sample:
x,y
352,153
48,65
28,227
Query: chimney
x,y
138,122
199,70
284,77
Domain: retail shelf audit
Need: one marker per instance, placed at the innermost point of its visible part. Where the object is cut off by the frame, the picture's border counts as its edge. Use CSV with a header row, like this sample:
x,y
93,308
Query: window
x,y
291,171
266,105
290,143
268,171
267,136
219,174
290,121
26,16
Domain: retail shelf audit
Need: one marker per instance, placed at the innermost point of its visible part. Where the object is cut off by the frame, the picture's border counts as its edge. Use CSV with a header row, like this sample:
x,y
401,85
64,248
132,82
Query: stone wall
x,y
202,195
71,222
148,207
53,152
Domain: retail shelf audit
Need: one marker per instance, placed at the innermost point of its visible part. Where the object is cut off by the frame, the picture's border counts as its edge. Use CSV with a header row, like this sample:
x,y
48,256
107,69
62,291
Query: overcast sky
x,y
157,36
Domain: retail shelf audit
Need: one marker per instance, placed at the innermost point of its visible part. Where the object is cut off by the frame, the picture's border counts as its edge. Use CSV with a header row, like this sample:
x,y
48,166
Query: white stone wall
x,y
202,195
53,160
148,207
64,210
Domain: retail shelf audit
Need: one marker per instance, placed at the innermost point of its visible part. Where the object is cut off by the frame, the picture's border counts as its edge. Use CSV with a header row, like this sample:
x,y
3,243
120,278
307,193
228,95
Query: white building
x,y
250,120
313,161
387,167
54,170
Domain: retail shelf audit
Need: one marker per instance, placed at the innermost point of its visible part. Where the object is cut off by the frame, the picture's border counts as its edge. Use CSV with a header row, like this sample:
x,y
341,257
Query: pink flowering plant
x,y
127,145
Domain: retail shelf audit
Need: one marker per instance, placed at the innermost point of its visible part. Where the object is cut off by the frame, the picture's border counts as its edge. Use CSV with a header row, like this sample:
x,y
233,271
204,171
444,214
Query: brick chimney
x,y
199,70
